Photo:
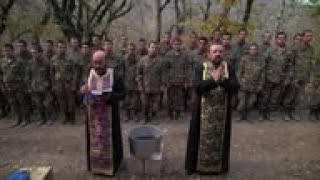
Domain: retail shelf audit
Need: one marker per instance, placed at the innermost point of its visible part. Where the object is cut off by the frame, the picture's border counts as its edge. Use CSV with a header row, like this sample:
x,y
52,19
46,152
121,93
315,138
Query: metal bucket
x,y
145,141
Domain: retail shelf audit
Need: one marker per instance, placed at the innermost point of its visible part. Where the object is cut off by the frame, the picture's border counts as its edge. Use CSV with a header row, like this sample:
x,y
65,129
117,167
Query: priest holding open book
x,y
103,90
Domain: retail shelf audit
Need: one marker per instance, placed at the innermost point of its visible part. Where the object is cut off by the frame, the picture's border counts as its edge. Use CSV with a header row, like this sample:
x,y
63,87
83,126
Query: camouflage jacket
x,y
49,54
85,66
164,49
131,65
116,62
279,66
304,60
150,74
64,71
12,72
252,73
231,55
264,49
38,76
178,68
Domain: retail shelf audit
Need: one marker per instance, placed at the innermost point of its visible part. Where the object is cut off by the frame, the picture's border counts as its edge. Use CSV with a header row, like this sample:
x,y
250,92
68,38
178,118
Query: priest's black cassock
x,y
208,146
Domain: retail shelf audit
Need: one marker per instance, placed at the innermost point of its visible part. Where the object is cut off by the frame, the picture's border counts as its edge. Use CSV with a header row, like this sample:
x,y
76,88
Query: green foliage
x,y
206,27
228,3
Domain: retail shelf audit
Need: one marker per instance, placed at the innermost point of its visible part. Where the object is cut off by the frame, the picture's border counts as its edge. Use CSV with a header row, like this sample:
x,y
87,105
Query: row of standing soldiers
x,y
271,77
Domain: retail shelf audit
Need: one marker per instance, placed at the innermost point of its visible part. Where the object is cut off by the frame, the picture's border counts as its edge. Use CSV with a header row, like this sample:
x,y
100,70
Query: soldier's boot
x,y
66,118
43,119
291,116
72,117
317,112
137,115
18,122
26,121
177,115
3,111
265,116
6,111
50,120
153,114
243,116
171,114
312,115
288,115
147,118
129,117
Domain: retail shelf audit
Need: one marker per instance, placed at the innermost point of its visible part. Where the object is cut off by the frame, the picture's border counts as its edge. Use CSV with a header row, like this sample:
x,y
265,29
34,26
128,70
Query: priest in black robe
x,y
103,90
208,147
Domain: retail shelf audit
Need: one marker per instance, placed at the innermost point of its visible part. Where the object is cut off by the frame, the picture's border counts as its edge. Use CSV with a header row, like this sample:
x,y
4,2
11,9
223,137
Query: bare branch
x,y
164,5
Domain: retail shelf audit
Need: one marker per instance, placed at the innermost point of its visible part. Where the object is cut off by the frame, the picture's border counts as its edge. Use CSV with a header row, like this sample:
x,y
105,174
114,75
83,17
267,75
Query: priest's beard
x,y
100,71
217,61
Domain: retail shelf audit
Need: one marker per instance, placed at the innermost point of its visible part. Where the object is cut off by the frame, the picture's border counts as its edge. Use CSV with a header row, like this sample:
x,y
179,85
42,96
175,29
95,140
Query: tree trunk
x,y
158,20
247,12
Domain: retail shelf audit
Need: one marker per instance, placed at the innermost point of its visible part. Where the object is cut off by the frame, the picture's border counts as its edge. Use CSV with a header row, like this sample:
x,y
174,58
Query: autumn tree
x,y
79,17
5,7
160,6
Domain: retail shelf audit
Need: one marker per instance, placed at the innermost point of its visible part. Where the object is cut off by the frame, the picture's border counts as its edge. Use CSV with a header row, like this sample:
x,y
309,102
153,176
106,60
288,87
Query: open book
x,y
100,84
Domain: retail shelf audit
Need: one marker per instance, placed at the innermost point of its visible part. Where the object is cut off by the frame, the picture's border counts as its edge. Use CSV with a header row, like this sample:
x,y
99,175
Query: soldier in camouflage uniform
x,y
216,37
252,76
194,55
165,45
12,73
231,56
74,53
150,76
297,42
265,46
142,48
304,59
96,43
123,45
179,77
313,91
49,49
308,63
25,56
64,82
86,53
199,55
132,100
113,60
241,45
193,42
279,77
39,84
230,50
4,104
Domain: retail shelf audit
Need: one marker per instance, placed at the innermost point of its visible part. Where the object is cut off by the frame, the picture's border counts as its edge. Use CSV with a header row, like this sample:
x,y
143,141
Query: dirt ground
x,y
260,150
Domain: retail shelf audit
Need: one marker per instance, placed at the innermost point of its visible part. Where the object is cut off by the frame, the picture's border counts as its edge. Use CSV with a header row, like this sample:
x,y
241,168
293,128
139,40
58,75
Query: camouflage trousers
x,y
132,101
289,97
150,102
3,102
67,101
313,92
247,101
43,104
187,99
18,103
175,98
271,96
